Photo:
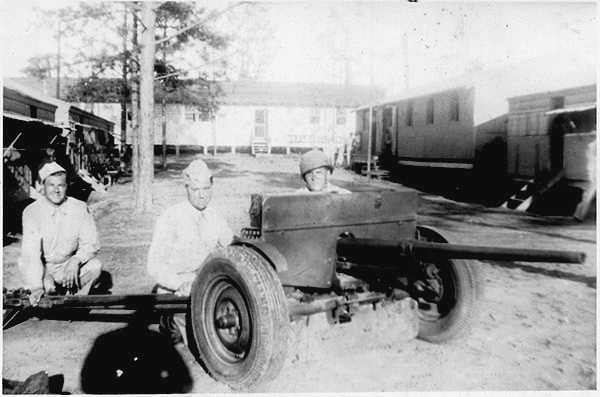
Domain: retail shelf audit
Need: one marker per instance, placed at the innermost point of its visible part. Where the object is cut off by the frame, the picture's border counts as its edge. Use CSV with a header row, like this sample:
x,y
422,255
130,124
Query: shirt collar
x,y
193,210
62,208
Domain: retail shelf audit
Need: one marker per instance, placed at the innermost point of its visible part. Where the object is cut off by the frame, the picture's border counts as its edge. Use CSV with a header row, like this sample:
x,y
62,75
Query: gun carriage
x,y
311,253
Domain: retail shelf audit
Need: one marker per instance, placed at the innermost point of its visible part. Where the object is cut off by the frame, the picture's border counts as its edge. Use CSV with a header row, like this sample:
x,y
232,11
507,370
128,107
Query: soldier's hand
x,y
71,273
35,296
184,289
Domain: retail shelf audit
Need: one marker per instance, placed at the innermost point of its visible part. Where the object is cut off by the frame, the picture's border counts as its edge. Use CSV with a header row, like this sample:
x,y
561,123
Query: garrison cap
x,y
312,160
197,173
49,169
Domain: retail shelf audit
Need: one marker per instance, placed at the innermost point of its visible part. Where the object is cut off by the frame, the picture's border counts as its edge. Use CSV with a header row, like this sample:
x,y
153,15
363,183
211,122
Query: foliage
x,y
92,35
41,66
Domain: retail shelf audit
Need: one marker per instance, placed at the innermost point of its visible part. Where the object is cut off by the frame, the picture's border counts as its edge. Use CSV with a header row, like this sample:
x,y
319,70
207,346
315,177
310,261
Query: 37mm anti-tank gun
x,y
310,253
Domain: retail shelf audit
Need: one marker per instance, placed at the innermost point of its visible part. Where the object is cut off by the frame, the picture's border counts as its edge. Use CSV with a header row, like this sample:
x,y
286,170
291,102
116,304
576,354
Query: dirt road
x,y
536,329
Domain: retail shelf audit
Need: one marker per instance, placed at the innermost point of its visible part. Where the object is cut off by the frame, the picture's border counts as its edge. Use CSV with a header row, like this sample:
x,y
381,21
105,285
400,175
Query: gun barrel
x,y
363,250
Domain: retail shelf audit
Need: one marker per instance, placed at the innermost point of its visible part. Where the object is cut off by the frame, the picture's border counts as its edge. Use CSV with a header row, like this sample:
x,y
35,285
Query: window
x,y
33,111
315,116
454,107
409,114
340,116
429,111
190,113
260,116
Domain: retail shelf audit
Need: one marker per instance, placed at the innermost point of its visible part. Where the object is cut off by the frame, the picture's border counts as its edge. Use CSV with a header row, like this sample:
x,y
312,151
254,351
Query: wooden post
x,y
164,106
369,142
164,131
213,124
143,200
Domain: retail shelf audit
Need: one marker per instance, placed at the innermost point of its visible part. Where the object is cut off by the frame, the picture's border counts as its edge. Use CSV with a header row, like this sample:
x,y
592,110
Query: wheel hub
x,y
231,322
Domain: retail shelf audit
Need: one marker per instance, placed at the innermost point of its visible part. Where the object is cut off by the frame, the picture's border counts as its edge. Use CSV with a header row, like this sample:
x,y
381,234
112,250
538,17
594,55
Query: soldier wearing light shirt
x,y
184,235
60,241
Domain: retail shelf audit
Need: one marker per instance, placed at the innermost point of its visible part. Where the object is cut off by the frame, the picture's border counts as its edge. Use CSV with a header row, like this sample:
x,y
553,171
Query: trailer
x,y
304,254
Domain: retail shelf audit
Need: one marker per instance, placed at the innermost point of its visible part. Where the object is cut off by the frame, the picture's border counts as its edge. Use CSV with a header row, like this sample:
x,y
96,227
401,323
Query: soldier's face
x,y
55,188
199,194
316,180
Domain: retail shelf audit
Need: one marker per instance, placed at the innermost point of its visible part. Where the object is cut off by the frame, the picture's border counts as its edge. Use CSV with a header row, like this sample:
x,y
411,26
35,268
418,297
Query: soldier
x,y
183,237
315,169
60,241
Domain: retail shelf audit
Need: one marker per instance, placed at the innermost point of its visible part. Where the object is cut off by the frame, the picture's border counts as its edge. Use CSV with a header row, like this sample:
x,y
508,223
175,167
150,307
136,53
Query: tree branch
x,y
201,22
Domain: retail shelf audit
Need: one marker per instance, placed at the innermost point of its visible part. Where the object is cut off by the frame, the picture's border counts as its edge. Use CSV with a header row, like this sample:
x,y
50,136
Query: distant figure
x,y
315,169
184,235
60,242
387,147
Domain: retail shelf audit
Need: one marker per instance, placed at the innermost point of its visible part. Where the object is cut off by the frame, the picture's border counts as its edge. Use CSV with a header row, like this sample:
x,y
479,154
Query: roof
x,y
255,93
546,73
582,107
16,116
250,93
63,109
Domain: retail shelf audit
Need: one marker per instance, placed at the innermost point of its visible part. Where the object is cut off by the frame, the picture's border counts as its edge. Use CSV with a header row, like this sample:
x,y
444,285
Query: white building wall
x,y
234,126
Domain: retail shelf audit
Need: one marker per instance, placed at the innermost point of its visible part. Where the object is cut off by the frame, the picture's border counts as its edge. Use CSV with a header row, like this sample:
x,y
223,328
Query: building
x,y
550,131
254,116
551,143
37,129
446,125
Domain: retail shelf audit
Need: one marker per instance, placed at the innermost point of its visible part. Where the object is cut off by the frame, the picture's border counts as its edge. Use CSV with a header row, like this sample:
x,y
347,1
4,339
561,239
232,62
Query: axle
x,y
375,251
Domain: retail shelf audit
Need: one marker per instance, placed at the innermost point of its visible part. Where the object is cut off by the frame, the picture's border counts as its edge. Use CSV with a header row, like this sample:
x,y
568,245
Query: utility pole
x,y
213,116
143,201
405,56
58,37
164,103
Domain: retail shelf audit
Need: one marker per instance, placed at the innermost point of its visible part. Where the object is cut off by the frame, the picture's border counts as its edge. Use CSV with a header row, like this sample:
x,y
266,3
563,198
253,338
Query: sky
x,y
389,44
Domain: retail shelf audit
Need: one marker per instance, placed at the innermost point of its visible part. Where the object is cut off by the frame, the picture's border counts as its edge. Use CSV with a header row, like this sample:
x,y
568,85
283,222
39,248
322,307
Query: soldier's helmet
x,y
312,160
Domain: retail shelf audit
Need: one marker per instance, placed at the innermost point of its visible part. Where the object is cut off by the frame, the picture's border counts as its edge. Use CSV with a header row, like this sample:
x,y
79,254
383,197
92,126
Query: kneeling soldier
x,y
60,241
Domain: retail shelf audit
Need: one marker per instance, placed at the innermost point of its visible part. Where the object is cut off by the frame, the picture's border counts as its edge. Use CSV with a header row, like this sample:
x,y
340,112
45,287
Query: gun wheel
x,y
239,318
447,294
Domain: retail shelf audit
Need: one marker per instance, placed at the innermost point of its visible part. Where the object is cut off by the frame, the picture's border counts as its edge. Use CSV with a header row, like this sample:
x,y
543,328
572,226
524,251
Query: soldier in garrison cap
x,y
315,169
184,235
60,241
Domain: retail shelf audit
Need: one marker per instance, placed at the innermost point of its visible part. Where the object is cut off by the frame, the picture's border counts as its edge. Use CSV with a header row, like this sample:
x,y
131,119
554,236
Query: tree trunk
x,y
143,201
124,85
135,108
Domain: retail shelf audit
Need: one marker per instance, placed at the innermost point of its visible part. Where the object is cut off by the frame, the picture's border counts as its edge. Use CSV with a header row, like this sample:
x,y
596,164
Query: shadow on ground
x,y
134,360
587,280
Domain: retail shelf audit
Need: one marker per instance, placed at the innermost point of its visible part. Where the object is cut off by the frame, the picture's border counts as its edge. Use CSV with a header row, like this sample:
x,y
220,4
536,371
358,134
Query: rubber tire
x,y
467,284
263,293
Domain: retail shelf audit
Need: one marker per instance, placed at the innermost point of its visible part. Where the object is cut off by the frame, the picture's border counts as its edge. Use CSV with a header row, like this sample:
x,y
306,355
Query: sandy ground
x,y
536,329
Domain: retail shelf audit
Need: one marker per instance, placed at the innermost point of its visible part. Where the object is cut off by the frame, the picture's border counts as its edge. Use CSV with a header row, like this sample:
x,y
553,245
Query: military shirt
x,y
183,238
54,234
